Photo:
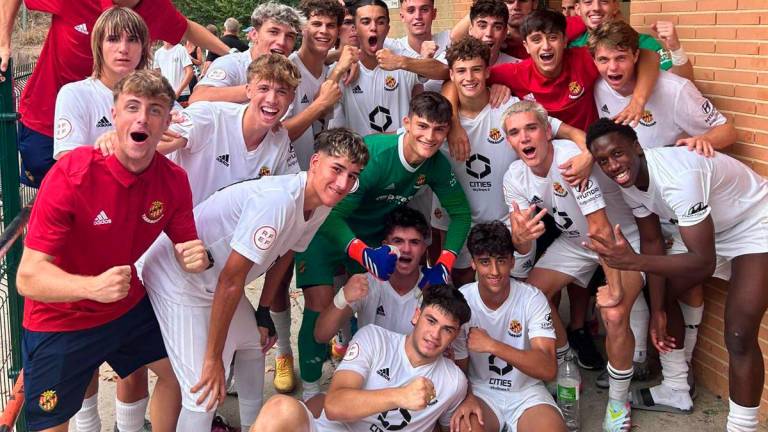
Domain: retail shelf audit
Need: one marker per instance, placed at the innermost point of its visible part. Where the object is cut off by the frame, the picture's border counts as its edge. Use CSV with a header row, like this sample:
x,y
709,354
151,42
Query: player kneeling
x,y
508,346
403,380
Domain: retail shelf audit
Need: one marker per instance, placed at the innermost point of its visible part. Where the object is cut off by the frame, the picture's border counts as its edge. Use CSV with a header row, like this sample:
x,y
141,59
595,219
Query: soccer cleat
x,y
587,355
618,417
284,381
337,350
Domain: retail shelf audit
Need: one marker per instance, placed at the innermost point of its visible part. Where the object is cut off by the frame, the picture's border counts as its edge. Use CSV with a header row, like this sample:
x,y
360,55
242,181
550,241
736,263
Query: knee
x,y
615,318
279,410
740,341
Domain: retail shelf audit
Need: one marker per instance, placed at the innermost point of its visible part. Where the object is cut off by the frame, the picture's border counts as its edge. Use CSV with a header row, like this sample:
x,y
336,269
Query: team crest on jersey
x,y
559,190
63,128
264,171
438,212
515,328
48,400
647,119
264,237
494,136
352,351
421,180
530,97
575,90
217,74
155,212
390,83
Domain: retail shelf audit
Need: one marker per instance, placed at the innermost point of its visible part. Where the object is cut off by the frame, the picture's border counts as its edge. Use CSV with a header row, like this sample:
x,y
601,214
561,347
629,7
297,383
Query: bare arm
x,y
201,37
684,70
326,98
274,278
236,94
652,243
600,226
426,67
204,70
342,403
330,321
8,11
647,74
460,29
197,60
167,147
188,74
538,362
717,138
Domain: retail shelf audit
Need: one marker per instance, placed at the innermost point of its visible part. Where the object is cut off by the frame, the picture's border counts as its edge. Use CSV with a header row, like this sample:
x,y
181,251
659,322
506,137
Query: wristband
x,y
339,300
263,319
679,57
355,250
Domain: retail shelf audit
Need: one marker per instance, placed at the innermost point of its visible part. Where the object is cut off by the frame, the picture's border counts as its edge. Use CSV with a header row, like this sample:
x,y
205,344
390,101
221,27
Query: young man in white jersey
x,y
390,303
387,380
173,61
251,228
482,175
507,348
675,114
721,208
536,181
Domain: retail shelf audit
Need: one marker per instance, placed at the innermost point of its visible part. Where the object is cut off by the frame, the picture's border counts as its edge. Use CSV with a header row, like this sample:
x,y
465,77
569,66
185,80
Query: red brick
x,y
708,5
652,18
761,138
763,50
752,33
736,77
685,33
646,7
735,48
698,18
715,61
751,122
744,136
750,151
636,20
751,92
676,6
716,33
737,18
760,167
715,88
751,4
736,105
694,46
756,63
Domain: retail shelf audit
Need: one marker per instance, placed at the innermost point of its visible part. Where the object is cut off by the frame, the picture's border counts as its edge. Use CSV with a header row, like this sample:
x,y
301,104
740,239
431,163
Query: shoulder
x,y
516,169
380,143
564,150
78,162
670,82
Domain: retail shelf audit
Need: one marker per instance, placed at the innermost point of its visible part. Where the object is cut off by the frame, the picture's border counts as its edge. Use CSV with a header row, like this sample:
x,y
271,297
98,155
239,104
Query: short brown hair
x,y
274,67
342,142
614,34
148,84
468,48
115,21
328,8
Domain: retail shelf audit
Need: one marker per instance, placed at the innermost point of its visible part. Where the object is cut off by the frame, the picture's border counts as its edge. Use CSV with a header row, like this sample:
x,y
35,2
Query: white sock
x,y
663,395
249,373
310,389
87,419
639,317
692,318
194,420
618,381
741,419
561,352
282,322
674,370
130,416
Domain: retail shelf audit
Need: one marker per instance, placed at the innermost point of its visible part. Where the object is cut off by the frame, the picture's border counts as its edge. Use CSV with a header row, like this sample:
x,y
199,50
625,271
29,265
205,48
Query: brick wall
x,y
727,41
448,13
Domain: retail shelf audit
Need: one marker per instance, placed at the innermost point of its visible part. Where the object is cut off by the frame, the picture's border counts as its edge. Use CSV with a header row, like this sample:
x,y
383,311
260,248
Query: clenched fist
x,y
110,286
191,256
356,288
417,393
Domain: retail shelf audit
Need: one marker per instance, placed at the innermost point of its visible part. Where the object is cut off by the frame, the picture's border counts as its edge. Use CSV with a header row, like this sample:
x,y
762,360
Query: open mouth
x,y
622,177
139,136
322,40
405,259
277,51
547,57
373,41
469,86
529,151
269,112
614,78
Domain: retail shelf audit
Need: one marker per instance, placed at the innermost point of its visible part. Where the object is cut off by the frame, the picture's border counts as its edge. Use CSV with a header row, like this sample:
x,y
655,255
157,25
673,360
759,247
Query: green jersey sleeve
x,y
451,195
650,43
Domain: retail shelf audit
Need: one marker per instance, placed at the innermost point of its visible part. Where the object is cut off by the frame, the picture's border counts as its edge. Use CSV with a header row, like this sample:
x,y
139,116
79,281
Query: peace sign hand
x,y
525,225
616,252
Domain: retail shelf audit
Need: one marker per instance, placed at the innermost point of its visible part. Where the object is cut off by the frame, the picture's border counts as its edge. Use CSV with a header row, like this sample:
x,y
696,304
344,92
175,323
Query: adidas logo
x,y
305,100
224,159
101,219
390,187
604,109
357,90
535,200
104,122
380,311
82,28
384,373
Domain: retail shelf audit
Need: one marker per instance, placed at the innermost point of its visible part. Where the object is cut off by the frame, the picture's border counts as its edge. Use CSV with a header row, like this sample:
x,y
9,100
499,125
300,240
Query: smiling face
x,y
518,10
417,15
434,331
595,12
617,67
489,30
411,244
269,101
139,123
493,271
121,53
273,37
320,33
372,24
469,76
546,50
530,140
620,159
348,32
331,178
422,138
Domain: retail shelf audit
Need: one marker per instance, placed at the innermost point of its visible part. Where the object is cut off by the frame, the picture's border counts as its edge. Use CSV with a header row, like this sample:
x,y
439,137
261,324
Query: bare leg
x,y
541,418
166,397
619,341
550,282
282,413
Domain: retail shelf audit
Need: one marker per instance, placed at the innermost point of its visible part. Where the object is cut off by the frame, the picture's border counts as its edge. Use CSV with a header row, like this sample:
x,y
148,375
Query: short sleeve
x,y
590,199
365,346
694,113
257,234
539,317
688,196
651,44
181,227
555,124
459,345
196,126
512,191
71,120
458,398
639,210
224,72
52,214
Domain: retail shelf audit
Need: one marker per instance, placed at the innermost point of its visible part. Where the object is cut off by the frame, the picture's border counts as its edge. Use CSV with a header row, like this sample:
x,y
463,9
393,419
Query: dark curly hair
x,y
406,217
490,238
448,299
604,126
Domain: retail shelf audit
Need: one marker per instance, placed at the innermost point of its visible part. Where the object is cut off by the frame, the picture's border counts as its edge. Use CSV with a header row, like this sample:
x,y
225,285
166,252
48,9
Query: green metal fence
x,y
14,217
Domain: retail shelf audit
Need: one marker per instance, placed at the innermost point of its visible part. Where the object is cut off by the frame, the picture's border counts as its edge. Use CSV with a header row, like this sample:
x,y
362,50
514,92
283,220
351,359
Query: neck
x,y
109,79
404,283
643,178
494,56
253,135
312,59
369,61
414,357
415,41
471,106
494,300
543,168
553,74
311,197
628,88
135,166
410,156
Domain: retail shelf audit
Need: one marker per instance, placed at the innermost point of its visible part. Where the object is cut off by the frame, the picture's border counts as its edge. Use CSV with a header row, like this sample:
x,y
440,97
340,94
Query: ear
x,y
549,132
487,72
114,113
525,44
636,56
415,317
472,261
314,161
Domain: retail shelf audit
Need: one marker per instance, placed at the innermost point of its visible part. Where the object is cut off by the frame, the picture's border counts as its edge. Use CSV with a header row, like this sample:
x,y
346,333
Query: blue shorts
x,y
59,365
36,152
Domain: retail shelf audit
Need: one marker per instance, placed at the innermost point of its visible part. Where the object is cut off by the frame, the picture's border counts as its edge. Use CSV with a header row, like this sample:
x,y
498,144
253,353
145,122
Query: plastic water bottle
x,y
568,384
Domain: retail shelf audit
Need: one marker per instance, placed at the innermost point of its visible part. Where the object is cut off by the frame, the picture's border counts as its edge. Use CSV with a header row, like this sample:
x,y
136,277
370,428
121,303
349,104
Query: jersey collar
x,y
401,152
122,175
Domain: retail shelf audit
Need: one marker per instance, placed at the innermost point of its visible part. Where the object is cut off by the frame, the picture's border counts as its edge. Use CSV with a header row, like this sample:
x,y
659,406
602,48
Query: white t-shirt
x,y
386,308
261,219
523,316
83,113
567,205
685,188
376,103
308,88
401,47
378,355
482,174
171,63
676,109
228,71
215,154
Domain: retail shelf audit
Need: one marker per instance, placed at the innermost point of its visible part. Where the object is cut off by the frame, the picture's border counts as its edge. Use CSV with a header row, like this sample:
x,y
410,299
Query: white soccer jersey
x,y
228,71
685,188
401,47
261,219
83,113
378,355
386,308
523,316
171,63
308,88
482,174
676,109
376,103
567,206
215,154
